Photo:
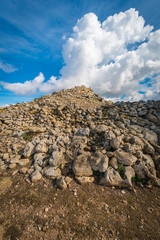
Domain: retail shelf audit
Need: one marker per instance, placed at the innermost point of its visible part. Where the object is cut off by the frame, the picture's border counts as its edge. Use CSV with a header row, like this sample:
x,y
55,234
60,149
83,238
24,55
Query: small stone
x,y
23,170
61,183
52,173
12,165
123,191
23,162
36,175
84,179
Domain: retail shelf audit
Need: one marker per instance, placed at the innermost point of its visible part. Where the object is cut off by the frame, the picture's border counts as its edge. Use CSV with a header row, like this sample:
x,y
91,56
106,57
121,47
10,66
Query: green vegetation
x,y
28,136
97,173
136,179
121,170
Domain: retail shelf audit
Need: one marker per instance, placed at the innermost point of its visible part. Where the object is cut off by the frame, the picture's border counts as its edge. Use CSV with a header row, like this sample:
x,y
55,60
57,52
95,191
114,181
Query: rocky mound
x,y
75,135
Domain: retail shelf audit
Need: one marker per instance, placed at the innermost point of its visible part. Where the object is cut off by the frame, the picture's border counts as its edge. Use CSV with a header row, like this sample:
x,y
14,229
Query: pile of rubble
x,y
76,135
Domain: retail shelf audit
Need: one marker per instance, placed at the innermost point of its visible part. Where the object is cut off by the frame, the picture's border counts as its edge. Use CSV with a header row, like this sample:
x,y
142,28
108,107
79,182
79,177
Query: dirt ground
x,y
90,211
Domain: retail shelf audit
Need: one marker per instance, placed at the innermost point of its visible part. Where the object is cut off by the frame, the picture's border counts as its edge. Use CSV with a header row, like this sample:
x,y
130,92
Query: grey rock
x,y
84,179
115,142
83,132
128,174
99,162
28,150
145,167
41,147
113,163
150,136
81,165
56,159
112,178
61,183
125,157
35,176
52,173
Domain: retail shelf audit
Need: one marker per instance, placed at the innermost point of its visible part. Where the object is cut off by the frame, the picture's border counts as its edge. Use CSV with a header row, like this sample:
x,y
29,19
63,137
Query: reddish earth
x,y
90,211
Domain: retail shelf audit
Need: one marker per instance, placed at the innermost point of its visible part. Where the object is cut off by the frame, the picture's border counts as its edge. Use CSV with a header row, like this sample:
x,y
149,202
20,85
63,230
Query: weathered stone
x,y
23,170
41,147
36,175
99,162
83,132
145,168
15,159
136,140
81,165
115,143
125,157
28,150
128,174
112,178
148,147
150,136
61,183
52,173
23,162
113,163
38,159
5,183
56,159
84,179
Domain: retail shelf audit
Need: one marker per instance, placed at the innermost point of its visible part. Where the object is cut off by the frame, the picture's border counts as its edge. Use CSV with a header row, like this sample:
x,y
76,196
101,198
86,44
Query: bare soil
x,y
90,211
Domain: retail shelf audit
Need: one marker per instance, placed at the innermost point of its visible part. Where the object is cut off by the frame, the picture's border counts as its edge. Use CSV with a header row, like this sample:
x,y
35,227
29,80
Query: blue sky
x,y
33,32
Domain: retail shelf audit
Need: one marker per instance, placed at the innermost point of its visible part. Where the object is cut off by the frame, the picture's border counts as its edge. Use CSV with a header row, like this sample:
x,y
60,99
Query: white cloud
x,y
8,68
97,55
26,88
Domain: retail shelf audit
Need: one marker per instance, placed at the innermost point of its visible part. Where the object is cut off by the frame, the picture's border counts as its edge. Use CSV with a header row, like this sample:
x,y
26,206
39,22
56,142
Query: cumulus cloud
x,y
26,88
113,58
8,68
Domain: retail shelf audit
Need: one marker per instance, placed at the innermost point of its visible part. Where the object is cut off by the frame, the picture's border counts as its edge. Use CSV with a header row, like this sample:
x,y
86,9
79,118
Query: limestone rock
x,y
99,162
81,165
41,147
145,167
112,178
61,183
113,163
115,142
52,173
35,176
128,174
84,179
56,159
150,136
125,157
28,150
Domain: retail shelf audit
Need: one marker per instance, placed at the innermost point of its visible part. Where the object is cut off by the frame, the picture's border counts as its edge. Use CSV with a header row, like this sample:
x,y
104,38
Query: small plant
x,y
136,179
28,136
121,170
97,173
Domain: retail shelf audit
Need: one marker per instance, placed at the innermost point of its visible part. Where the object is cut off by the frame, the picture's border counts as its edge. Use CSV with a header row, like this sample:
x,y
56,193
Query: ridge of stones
x,y
76,135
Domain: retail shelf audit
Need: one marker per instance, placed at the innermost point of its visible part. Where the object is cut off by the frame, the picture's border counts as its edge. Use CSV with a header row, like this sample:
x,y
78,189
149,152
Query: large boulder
x,y
99,162
81,165
145,167
112,178
125,158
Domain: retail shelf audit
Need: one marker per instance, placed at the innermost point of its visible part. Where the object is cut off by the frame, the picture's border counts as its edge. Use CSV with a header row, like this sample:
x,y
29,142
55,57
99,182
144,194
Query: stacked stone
x,y
75,134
